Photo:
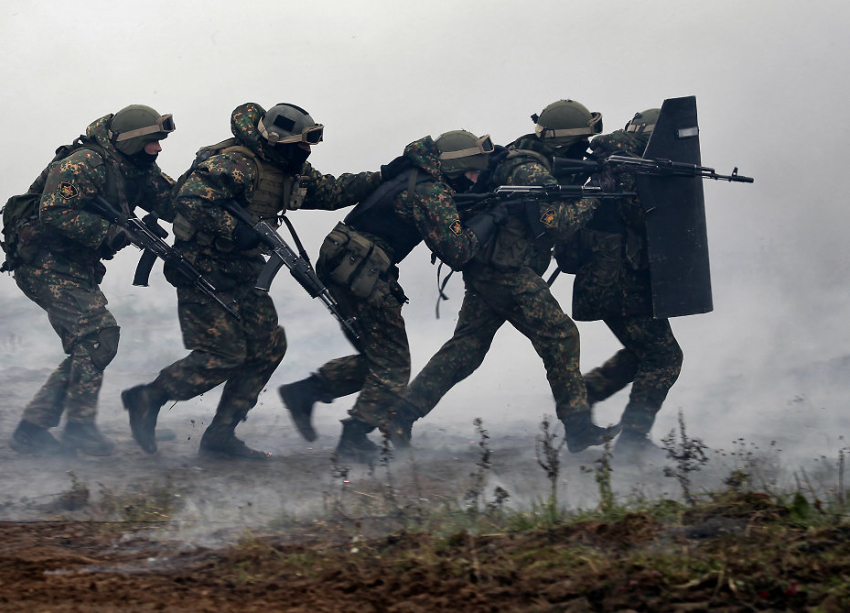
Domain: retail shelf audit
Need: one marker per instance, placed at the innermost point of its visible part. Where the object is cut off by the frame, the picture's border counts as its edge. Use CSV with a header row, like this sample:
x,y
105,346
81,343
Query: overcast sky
x,y
771,88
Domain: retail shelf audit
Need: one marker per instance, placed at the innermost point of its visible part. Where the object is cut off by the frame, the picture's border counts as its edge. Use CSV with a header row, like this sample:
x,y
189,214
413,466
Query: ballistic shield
x,y
675,216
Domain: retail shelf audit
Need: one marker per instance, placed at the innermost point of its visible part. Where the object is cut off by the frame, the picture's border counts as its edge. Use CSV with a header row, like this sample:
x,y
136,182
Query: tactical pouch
x,y
510,245
370,281
333,247
356,262
355,252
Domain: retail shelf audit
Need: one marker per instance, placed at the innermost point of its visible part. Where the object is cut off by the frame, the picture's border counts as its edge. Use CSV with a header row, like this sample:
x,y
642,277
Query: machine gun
x,y
524,200
659,167
281,254
148,235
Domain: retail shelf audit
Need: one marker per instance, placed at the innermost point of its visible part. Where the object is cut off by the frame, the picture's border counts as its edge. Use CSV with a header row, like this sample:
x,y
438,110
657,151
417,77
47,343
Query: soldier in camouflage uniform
x,y
503,283
612,284
263,169
358,262
62,268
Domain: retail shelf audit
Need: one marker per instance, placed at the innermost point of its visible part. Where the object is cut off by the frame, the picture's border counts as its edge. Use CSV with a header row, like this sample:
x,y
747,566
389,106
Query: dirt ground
x,y
175,532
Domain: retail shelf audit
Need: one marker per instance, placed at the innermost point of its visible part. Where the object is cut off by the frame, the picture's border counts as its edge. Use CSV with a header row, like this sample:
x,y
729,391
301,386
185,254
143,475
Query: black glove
x,y
116,239
245,237
484,225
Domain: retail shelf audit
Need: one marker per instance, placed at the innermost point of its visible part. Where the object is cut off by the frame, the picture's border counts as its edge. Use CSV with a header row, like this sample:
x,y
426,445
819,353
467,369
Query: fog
x,y
770,362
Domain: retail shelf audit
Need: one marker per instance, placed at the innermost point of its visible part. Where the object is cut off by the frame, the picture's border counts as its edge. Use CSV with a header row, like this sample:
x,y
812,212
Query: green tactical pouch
x,y
369,283
357,249
333,247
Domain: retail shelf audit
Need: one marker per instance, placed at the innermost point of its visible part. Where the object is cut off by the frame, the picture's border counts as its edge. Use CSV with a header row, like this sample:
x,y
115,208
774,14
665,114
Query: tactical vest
x,y
375,214
512,245
274,192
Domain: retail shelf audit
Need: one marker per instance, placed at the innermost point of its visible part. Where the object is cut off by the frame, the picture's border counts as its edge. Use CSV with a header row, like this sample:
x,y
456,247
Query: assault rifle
x,y
524,200
298,264
147,234
658,167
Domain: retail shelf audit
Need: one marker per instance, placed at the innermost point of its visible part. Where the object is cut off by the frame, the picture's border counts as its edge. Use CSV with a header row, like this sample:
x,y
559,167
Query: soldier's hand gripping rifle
x,y
281,254
147,234
525,199
658,167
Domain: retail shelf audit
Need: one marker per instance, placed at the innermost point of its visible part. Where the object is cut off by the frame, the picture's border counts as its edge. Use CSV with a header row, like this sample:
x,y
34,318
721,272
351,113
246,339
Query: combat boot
x,y
633,445
219,441
582,433
34,440
354,445
400,425
143,403
87,438
299,398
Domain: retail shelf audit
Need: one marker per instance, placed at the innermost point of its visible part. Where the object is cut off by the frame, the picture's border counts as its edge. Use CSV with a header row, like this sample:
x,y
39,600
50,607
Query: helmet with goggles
x,y
286,123
134,126
643,122
461,151
565,122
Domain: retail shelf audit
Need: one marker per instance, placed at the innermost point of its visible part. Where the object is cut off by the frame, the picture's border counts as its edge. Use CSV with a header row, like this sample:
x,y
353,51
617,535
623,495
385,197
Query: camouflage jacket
x,y
231,176
71,236
429,212
613,277
513,246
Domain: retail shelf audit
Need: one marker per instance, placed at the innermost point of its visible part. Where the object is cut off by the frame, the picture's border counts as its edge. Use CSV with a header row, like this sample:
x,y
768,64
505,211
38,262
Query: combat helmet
x,y
566,122
286,123
134,126
642,124
461,151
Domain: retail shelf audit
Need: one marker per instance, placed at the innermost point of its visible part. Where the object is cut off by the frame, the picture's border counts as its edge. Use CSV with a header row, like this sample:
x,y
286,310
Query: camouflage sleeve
x,y
164,200
435,216
70,184
329,193
227,176
560,218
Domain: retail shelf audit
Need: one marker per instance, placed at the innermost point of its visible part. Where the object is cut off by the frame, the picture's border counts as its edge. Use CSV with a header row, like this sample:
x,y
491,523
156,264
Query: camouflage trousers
x,y
382,368
492,297
241,354
650,360
77,311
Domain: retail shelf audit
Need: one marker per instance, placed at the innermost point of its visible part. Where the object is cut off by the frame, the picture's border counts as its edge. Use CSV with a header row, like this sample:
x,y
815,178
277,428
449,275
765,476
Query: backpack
x,y
20,213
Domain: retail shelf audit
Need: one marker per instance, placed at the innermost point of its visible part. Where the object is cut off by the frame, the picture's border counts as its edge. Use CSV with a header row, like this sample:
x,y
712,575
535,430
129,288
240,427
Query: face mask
x,y
461,184
143,159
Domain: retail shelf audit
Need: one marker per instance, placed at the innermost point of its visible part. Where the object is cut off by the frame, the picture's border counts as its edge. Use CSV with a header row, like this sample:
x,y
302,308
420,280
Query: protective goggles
x,y
594,126
164,124
640,127
482,145
311,135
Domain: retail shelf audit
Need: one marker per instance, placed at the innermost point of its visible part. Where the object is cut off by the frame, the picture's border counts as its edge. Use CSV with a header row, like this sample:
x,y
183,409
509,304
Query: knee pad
x,y
102,346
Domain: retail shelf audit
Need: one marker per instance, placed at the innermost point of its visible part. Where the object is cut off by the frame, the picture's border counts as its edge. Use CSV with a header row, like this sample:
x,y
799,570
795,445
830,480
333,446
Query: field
x,y
471,521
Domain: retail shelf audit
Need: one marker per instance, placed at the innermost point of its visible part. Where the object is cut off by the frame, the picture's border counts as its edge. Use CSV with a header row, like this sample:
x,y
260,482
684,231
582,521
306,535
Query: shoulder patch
x,y
67,190
548,218
456,227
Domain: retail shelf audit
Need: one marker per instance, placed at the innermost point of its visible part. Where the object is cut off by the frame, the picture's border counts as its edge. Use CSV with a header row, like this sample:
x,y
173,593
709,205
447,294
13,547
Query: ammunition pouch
x,y
350,259
508,249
